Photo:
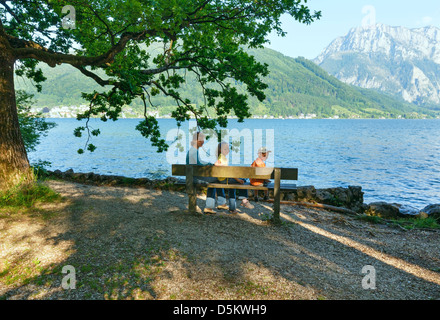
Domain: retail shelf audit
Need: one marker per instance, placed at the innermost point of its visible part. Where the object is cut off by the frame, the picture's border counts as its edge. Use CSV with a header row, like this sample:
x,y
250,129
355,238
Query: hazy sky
x,y
339,16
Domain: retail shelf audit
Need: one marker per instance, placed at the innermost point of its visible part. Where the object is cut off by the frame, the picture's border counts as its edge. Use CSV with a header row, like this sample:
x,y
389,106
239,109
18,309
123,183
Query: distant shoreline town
x,y
130,113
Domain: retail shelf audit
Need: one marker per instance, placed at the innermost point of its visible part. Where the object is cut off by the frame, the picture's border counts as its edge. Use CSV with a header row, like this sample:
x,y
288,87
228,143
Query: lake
x,y
392,160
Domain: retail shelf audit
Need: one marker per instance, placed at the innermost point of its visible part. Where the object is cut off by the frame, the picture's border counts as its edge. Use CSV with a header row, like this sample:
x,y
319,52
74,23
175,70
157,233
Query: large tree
x,y
110,41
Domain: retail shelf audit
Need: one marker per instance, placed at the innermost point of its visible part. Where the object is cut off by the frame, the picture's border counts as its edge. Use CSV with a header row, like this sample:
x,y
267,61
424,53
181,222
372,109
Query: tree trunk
x,y
14,163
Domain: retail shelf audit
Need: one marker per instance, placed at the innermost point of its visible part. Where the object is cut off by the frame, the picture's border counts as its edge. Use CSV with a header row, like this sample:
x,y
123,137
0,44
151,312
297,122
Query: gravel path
x,y
128,243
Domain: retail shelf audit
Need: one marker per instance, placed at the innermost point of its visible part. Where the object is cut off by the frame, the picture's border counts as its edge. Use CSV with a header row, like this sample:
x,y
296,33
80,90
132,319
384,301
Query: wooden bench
x,y
277,174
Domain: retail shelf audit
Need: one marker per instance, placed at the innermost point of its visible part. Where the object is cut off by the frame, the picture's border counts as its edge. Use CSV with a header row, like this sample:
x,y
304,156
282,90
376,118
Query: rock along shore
x,y
351,197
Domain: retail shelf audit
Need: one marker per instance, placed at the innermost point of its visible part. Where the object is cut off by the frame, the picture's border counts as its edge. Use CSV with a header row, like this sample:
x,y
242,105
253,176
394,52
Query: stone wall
x,y
111,180
351,198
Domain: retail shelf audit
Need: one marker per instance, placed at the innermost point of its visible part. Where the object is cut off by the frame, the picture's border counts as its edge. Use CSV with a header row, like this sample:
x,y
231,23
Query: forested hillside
x,y
295,87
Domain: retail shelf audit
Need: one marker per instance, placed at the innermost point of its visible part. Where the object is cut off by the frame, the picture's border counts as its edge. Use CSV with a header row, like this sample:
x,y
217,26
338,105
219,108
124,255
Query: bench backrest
x,y
235,172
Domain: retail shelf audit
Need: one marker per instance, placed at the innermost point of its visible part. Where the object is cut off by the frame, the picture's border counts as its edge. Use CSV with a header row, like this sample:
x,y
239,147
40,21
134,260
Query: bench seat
x,y
248,186
191,172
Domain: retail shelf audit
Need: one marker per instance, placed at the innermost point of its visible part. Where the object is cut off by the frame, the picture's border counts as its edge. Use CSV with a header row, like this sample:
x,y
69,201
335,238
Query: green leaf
x,y
91,147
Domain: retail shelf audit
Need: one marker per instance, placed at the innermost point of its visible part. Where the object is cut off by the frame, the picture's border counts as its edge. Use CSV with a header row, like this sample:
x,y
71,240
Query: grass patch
x,y
370,219
417,223
27,196
24,199
409,223
21,273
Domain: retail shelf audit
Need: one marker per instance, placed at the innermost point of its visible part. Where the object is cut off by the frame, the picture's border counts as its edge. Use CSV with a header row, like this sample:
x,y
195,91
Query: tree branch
x,y
28,49
202,5
10,11
95,77
21,23
112,36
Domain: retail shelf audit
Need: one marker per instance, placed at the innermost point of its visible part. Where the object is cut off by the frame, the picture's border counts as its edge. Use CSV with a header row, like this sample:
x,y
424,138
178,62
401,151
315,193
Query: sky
x,y
339,16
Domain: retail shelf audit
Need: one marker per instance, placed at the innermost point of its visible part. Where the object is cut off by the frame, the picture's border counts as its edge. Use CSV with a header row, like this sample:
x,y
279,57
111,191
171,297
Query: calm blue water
x,y
393,160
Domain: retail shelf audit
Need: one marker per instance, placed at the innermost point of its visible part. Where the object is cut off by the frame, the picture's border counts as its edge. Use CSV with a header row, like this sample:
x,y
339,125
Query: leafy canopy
x,y
144,48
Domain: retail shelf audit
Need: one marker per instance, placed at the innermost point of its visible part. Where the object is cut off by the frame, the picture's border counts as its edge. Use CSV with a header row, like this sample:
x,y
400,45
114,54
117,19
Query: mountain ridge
x,y
401,61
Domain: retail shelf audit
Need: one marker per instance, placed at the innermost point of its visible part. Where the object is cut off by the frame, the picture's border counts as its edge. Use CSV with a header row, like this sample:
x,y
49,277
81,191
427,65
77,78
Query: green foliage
x,y
40,169
370,219
417,223
91,147
32,126
112,46
406,223
78,132
150,127
27,195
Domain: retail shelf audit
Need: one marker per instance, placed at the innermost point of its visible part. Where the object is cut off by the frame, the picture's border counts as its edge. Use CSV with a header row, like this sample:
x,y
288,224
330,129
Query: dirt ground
x,y
134,243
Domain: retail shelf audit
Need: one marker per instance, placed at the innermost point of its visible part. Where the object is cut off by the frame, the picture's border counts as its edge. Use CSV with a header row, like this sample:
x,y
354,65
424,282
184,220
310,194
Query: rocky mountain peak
x,y
394,59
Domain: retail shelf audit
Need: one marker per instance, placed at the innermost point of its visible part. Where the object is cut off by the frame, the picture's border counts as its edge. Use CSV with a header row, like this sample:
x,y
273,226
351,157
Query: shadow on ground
x,y
142,244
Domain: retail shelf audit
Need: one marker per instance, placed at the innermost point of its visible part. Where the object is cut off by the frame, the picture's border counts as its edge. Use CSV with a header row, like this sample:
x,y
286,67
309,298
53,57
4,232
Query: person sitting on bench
x,y
260,162
222,160
193,157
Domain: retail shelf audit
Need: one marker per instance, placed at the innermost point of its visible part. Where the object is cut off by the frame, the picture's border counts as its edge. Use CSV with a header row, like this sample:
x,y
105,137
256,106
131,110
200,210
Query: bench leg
x,y
277,196
191,190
